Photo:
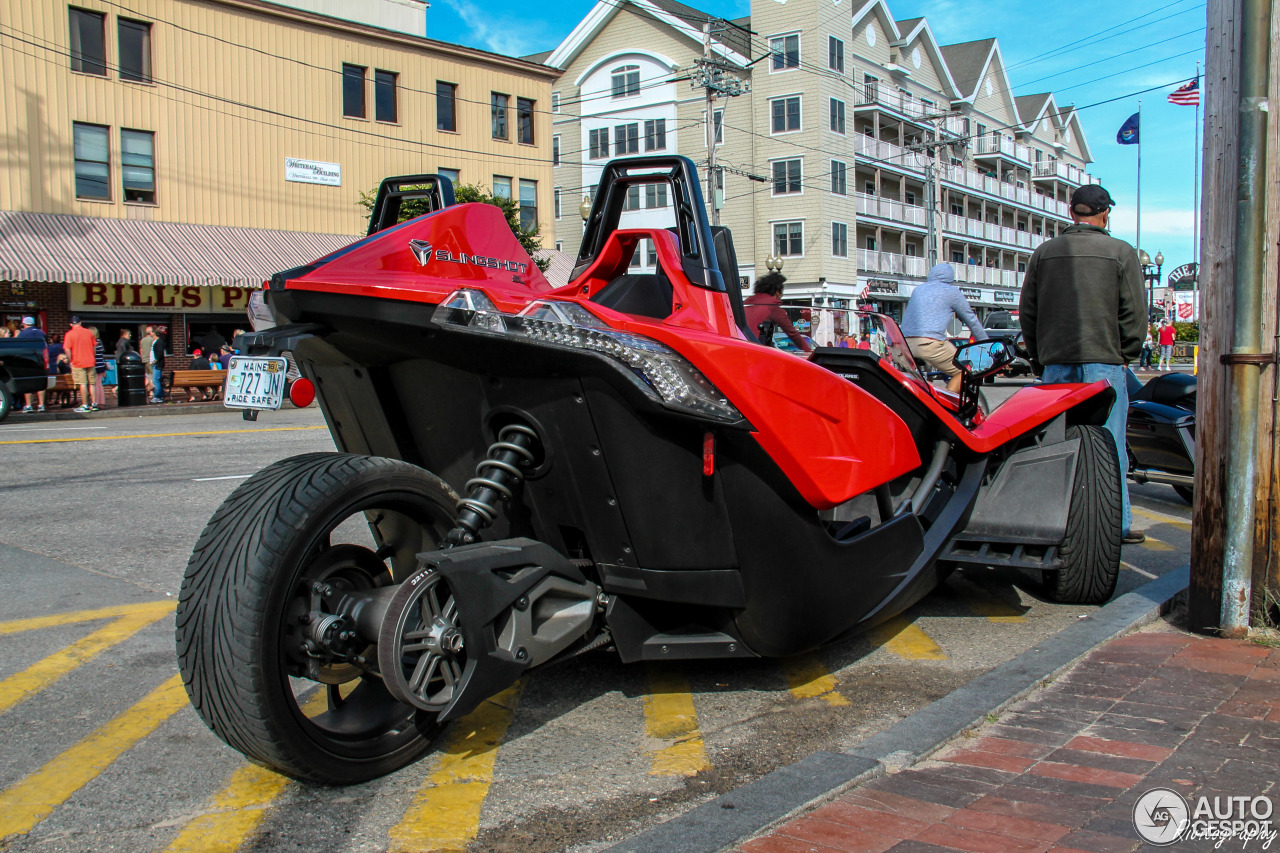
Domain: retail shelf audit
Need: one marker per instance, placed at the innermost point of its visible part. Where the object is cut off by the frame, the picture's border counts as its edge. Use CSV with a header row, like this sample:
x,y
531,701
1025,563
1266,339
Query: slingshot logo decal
x,y
421,250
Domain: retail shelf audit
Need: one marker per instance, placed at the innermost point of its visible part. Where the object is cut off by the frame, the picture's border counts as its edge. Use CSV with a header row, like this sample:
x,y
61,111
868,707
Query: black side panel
x,y
646,295
1028,500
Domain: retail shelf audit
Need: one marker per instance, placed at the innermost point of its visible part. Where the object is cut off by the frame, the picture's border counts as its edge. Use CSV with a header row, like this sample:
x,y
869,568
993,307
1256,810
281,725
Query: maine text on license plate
x,y
255,382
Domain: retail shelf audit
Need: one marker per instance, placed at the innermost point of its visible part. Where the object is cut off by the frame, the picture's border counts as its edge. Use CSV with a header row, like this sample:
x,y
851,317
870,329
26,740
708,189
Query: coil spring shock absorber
x,y
496,474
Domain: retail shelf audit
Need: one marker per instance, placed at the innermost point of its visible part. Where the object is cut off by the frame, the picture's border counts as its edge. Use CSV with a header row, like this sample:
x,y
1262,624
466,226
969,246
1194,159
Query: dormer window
x,y
626,81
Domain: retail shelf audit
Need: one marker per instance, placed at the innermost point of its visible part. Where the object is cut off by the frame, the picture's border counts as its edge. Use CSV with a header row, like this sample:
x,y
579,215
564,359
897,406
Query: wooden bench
x,y
190,380
63,392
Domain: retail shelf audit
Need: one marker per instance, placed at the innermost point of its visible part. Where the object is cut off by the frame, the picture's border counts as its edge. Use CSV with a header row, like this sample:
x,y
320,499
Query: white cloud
x,y
1156,221
493,33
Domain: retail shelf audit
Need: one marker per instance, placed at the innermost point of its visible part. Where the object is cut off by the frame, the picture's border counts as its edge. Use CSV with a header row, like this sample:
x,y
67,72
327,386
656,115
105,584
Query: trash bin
x,y
131,386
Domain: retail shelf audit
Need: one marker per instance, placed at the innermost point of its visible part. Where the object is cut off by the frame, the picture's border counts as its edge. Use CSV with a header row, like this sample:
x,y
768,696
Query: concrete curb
x,y
755,807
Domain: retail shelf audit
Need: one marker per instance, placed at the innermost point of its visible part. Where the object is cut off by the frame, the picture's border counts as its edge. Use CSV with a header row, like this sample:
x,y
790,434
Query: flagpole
x,y
1195,197
1139,228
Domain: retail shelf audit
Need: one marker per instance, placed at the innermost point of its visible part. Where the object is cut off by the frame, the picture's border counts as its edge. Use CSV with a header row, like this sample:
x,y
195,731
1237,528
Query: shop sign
x,y
1183,278
881,286
312,172
158,299
1003,298
973,294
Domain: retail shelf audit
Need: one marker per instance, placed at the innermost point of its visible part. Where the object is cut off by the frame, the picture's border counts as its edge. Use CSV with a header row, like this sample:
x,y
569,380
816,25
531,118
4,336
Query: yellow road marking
x,y
31,800
445,813
809,678
234,812
1161,517
1155,544
36,622
42,673
983,603
906,640
669,715
159,435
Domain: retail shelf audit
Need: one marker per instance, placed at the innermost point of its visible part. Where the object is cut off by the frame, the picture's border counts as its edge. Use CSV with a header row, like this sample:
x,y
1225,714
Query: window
x,y
786,52
906,98
982,130
353,90
835,54
598,143
927,106
655,195
909,197
717,121
631,201
655,134
501,186
839,178
555,202
626,81
786,176
138,165
384,96
559,245
869,187
957,257
651,253
555,102
528,204
135,50
498,115
788,239
839,239
555,150
1039,155
910,249
524,121
637,254
870,243
786,114
837,115
453,175
871,88
446,112
626,138
88,42
93,164
956,209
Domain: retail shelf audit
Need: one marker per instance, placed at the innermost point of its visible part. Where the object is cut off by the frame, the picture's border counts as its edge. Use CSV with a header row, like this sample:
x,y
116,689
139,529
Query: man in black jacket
x,y
1083,313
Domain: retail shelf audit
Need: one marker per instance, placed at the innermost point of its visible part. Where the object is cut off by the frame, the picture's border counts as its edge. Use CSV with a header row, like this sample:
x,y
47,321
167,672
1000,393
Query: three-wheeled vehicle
x,y
527,472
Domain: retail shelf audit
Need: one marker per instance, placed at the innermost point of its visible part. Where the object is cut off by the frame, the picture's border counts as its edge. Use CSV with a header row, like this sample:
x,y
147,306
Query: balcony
x,y
963,226
886,153
1056,170
1000,146
970,180
974,274
888,99
870,260
895,211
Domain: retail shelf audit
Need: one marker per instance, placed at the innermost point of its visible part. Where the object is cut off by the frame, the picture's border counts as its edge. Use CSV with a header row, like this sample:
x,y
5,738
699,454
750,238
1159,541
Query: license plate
x,y
255,382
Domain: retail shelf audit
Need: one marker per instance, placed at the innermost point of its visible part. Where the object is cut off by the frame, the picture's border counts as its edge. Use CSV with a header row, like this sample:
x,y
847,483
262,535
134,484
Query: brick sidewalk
x,y
1060,770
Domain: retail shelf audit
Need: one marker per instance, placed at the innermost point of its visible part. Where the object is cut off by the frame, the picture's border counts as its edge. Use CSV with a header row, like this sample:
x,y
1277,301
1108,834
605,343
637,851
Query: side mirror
x,y
983,358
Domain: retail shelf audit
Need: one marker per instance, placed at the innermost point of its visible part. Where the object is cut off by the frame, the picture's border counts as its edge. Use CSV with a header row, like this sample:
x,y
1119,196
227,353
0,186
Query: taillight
x,y
302,392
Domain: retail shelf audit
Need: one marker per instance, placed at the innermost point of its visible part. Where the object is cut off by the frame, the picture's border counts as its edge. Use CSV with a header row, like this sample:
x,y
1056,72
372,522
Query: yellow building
x,y
169,144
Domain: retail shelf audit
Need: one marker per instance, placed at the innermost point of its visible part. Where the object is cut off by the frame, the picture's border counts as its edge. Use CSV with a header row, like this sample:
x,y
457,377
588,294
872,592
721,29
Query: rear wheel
x,y
1090,551
258,592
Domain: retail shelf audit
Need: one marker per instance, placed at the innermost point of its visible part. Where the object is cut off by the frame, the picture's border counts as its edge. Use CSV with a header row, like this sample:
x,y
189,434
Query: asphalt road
x,y
99,750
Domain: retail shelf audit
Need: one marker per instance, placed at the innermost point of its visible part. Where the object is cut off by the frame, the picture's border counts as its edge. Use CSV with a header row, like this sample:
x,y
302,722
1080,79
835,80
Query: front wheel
x,y
6,402
1090,551
260,583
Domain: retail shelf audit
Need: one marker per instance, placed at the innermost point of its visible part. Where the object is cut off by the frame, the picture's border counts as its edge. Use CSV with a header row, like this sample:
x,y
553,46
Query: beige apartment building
x,y
864,151
162,157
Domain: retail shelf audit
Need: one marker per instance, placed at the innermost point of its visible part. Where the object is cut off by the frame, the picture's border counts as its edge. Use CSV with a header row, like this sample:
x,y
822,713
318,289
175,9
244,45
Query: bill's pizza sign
x,y
161,299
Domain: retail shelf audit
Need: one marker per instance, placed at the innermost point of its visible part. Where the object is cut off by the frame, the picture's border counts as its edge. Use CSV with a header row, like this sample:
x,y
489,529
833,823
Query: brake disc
x,y
421,652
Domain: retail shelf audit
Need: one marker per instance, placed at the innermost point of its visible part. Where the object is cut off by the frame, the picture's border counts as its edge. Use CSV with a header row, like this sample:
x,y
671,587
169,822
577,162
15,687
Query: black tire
x,y
1090,551
237,621
6,402
1186,493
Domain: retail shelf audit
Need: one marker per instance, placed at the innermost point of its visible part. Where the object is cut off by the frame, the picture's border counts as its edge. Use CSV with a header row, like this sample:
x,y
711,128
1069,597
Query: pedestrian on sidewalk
x,y
224,357
99,369
78,344
144,350
157,368
31,332
124,345
1148,345
1083,312
1168,334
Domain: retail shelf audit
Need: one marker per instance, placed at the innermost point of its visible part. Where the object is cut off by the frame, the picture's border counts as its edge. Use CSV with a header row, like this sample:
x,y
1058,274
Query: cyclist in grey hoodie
x,y
924,323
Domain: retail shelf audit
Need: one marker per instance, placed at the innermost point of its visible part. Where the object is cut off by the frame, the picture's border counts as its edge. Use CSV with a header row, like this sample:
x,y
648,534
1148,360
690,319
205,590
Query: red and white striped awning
x,y
57,247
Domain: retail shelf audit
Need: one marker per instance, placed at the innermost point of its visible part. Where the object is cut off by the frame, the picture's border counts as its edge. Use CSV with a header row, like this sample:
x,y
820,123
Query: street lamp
x,y
584,209
773,263
1151,271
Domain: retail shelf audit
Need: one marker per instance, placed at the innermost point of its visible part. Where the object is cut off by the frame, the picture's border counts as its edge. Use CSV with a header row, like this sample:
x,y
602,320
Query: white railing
x,y
1024,239
1007,190
1022,152
991,231
973,227
1063,171
878,149
1036,240
954,223
915,266
890,99
1022,196
891,209
868,260
891,262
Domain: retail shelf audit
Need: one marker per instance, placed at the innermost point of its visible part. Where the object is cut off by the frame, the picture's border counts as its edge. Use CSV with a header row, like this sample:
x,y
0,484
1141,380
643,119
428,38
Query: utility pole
x,y
715,77
932,181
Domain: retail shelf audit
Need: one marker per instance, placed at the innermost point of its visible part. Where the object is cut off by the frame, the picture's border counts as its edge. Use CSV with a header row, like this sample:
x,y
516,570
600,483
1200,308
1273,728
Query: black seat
x,y
645,294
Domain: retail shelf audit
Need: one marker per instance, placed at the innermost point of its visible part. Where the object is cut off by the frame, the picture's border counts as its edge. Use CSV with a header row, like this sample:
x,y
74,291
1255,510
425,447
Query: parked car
x,y
22,371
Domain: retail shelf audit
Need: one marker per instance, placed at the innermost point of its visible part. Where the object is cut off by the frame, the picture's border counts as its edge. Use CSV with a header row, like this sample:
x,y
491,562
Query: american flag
x,y
1187,96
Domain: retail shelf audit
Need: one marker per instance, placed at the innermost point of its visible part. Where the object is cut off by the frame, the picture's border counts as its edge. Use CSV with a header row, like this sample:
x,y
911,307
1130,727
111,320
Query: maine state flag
x,y
1128,134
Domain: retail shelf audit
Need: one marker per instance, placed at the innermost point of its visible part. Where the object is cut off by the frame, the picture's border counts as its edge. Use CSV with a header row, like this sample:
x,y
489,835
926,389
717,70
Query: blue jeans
x,y
157,383
1055,374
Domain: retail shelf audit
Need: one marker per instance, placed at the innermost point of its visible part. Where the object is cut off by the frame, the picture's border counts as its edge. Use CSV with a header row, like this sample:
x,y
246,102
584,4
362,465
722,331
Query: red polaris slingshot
x,y
527,472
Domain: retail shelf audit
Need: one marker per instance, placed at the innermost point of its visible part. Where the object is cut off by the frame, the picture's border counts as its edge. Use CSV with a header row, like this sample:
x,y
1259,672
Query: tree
x,y
529,238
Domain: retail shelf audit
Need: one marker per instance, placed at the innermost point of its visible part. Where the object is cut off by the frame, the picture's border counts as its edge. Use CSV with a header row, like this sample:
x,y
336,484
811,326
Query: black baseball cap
x,y
1090,200
75,321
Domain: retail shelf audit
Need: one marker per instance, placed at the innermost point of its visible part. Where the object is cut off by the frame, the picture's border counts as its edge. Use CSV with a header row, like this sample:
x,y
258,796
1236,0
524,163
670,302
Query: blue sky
x,y
1085,52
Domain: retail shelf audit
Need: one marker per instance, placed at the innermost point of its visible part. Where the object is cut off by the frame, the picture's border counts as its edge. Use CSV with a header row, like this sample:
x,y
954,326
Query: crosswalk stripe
x,y
669,715
34,623
26,803
810,679
445,813
42,673
906,640
1161,517
234,813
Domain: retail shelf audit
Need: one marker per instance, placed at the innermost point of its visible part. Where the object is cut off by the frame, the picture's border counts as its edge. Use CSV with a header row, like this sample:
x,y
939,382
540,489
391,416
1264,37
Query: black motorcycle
x,y
1161,432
